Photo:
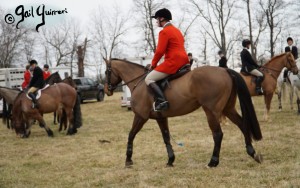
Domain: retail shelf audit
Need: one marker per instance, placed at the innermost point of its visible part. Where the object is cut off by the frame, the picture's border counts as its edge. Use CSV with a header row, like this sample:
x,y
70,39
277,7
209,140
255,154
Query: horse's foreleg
x,y
42,123
164,128
217,133
137,125
279,100
268,99
292,90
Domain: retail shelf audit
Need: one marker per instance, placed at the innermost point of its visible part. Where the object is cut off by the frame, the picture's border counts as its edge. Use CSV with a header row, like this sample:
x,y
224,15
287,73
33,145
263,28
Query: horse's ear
x,y
106,61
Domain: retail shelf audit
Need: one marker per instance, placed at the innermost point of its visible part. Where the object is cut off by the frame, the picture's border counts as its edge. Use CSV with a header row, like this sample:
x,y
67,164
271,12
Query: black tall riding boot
x,y
160,102
34,101
258,89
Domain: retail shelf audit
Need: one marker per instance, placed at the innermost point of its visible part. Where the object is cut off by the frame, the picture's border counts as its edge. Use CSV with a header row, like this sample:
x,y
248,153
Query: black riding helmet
x,y
46,66
163,13
220,52
33,62
289,38
246,42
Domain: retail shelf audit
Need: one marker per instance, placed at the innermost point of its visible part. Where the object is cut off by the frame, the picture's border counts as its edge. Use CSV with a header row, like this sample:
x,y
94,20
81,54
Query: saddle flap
x,y
182,71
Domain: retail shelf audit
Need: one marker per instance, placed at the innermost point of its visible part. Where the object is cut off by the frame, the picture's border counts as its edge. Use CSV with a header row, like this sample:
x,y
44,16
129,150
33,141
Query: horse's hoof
x,y
213,163
169,165
258,158
128,164
50,133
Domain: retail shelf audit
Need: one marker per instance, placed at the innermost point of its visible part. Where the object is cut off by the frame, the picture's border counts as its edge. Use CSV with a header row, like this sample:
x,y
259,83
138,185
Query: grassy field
x,y
88,160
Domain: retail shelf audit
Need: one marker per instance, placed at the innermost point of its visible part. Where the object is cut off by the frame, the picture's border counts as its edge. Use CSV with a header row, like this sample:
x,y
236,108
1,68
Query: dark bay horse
x,y
8,95
59,115
213,88
271,72
57,96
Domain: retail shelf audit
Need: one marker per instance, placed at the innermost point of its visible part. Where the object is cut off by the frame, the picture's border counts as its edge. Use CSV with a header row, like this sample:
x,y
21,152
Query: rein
x,y
111,87
278,71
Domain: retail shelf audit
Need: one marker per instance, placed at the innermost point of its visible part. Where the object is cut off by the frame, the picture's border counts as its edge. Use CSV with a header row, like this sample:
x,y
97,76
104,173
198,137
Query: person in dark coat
x,y
250,66
223,59
191,59
36,82
293,50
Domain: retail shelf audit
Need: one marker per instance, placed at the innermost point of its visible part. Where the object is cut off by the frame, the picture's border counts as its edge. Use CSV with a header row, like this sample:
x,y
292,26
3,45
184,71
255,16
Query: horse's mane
x,y
275,57
126,61
51,76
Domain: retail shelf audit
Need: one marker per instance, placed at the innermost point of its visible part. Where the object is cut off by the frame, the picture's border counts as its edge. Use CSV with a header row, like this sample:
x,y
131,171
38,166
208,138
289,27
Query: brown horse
x,y
57,96
213,88
59,115
8,95
271,72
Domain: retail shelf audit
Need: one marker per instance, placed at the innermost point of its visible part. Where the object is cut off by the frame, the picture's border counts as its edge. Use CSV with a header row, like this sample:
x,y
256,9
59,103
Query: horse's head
x,y
112,78
17,121
70,81
53,78
291,63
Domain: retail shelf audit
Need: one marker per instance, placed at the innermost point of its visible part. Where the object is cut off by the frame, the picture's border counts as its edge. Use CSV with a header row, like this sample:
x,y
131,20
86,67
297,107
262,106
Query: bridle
x,y
267,68
112,87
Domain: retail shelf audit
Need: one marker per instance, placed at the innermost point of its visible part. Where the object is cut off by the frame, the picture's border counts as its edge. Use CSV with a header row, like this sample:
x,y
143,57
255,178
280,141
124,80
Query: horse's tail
x,y
77,113
5,115
249,118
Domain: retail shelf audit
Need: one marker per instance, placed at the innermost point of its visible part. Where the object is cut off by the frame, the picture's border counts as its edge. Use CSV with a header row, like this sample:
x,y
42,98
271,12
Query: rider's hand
x,y
149,67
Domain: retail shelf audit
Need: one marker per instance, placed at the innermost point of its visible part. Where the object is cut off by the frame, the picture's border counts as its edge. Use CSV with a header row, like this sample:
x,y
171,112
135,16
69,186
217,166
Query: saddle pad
x,y
39,92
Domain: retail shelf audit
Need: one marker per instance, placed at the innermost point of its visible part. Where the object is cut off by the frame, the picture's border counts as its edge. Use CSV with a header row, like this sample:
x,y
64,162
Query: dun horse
x,y
57,96
60,115
213,88
271,72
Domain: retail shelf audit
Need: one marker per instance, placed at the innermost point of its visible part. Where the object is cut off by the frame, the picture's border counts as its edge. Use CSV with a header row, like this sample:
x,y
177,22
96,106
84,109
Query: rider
x,y
250,66
223,59
36,82
27,77
293,50
46,72
170,45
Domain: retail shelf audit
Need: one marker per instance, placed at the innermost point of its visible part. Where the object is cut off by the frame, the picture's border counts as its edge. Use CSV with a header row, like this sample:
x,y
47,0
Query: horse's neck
x,y
276,65
129,74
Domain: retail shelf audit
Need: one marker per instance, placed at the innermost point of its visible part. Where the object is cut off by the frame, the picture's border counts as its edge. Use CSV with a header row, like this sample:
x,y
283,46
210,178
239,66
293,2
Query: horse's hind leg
x,y
237,120
164,128
214,124
137,125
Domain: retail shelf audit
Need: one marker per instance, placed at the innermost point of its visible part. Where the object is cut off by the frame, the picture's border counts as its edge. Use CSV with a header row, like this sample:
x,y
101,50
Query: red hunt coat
x,y
170,44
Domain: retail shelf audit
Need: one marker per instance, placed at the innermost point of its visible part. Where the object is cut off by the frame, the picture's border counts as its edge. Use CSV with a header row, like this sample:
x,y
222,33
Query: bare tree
x,y
261,26
147,8
61,40
11,40
109,30
218,15
273,11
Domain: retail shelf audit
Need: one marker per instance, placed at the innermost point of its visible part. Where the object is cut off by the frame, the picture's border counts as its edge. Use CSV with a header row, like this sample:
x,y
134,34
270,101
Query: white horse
x,y
292,84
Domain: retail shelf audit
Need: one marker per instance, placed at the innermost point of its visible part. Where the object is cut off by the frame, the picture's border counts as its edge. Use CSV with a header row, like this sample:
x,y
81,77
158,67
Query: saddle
x,y
38,93
253,78
164,83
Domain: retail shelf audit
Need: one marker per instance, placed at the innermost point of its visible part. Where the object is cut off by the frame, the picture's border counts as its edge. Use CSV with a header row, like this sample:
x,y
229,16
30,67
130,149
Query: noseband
x,y
108,74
